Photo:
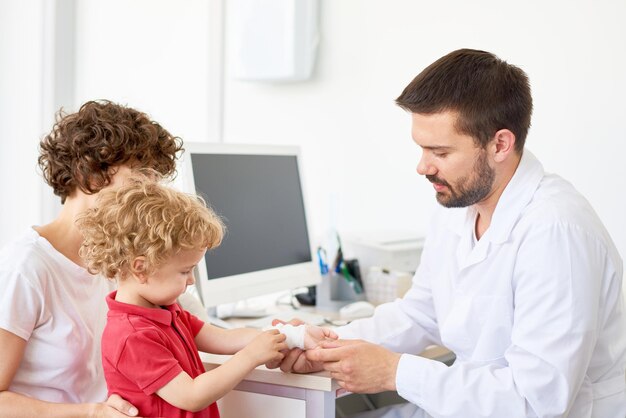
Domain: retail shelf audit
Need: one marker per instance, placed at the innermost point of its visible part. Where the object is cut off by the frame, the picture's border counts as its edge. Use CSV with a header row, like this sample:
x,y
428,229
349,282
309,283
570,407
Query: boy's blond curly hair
x,y
144,218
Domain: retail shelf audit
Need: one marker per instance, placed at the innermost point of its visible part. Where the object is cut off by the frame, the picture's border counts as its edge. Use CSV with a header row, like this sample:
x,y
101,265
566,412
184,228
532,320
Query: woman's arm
x,y
196,394
15,405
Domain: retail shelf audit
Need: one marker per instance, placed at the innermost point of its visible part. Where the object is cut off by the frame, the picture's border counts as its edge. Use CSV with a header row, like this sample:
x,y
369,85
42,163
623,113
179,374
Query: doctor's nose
x,y
424,167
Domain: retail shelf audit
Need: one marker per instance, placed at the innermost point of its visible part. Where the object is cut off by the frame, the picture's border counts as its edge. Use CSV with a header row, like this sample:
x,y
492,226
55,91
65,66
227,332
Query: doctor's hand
x,y
313,336
295,361
358,366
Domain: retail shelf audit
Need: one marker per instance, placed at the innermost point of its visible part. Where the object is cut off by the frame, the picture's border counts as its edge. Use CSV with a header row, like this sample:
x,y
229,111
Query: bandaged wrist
x,y
294,334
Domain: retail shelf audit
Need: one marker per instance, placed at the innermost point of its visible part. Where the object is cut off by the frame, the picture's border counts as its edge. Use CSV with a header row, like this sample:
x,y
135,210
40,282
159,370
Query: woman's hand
x,y
114,407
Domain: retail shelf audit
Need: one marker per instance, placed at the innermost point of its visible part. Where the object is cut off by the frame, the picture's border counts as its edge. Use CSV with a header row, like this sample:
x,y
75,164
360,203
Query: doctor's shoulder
x,y
557,209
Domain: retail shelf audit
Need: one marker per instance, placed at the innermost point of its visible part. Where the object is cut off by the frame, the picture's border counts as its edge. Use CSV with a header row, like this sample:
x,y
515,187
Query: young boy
x,y
150,238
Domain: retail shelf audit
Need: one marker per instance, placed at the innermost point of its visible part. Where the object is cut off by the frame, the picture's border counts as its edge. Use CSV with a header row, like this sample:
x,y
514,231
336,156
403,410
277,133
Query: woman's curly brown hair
x,y
144,218
82,146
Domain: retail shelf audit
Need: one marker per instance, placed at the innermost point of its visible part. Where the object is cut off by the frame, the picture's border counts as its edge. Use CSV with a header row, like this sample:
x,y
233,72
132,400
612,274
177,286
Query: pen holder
x,y
335,291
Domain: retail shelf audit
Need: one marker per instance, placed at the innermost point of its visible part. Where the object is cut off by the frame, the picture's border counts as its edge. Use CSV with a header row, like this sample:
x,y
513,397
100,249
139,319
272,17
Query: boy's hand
x,y
266,347
313,336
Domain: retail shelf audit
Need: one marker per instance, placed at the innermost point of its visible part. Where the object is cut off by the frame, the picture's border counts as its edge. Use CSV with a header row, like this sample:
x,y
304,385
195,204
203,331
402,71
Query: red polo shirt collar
x,y
165,315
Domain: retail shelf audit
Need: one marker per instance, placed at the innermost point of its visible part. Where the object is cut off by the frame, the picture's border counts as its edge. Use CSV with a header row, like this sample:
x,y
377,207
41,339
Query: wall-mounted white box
x,y
273,40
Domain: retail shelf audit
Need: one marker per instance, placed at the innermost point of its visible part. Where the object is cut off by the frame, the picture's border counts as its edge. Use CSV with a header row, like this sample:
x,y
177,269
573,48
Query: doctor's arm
x,y
407,325
16,405
404,325
556,295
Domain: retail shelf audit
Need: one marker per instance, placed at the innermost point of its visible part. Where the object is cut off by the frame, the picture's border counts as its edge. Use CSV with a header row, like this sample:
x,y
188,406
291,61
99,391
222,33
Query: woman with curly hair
x,y
52,310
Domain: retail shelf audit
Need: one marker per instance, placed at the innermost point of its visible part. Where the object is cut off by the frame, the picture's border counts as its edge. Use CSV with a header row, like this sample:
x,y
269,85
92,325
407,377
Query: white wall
x,y
359,160
21,90
357,143
156,59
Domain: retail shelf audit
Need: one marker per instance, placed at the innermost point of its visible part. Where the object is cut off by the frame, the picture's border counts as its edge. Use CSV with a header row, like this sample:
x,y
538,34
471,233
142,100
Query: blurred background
x,y
174,60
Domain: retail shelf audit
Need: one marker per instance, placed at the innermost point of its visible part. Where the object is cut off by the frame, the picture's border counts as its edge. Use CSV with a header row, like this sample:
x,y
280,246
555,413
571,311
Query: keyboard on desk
x,y
286,316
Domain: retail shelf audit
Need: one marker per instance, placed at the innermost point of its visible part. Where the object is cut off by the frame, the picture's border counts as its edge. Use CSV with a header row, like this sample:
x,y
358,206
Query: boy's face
x,y
170,280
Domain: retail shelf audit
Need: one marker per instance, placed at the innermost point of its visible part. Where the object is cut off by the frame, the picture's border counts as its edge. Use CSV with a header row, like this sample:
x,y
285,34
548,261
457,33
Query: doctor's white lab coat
x,y
533,310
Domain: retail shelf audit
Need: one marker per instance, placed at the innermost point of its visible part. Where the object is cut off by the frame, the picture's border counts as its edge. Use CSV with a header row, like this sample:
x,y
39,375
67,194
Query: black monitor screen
x,y
259,198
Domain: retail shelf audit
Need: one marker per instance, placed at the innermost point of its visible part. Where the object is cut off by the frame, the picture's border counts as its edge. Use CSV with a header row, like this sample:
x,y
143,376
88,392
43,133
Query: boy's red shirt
x,y
145,348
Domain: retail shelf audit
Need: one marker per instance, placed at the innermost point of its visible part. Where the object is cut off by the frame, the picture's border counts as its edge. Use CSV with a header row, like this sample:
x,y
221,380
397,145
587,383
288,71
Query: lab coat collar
x,y
516,196
512,202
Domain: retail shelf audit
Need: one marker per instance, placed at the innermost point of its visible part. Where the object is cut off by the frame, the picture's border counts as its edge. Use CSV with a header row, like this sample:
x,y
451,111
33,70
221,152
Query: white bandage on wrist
x,y
294,334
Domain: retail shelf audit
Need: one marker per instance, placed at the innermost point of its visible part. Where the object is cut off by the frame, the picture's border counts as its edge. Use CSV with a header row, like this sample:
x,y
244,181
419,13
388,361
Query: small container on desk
x,y
335,290
383,285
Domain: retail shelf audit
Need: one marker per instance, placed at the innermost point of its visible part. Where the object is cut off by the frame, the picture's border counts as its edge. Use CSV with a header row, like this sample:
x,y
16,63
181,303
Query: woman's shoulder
x,y
28,258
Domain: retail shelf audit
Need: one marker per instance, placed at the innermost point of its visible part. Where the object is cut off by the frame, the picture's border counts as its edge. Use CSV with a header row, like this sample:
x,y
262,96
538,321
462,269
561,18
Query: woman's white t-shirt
x,y
60,310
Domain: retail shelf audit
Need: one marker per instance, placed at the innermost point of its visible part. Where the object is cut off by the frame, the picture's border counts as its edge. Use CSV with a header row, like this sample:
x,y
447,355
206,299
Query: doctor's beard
x,y
467,190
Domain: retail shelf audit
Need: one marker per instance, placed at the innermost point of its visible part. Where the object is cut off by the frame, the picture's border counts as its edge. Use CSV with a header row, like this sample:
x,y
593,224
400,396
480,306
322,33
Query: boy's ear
x,y
138,269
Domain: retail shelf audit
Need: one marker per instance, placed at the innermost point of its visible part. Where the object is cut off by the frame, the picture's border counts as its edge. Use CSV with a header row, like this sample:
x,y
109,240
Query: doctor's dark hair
x,y
83,146
143,218
487,93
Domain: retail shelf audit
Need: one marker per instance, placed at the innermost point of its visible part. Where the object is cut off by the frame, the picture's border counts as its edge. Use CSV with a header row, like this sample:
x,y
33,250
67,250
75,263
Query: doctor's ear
x,y
503,145
138,269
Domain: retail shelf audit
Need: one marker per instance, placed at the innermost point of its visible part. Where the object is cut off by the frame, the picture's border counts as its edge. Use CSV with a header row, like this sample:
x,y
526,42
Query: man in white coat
x,y
518,276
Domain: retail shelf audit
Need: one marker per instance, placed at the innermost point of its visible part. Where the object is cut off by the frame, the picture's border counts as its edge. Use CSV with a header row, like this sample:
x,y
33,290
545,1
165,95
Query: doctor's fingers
x,y
339,343
290,359
330,334
335,368
328,354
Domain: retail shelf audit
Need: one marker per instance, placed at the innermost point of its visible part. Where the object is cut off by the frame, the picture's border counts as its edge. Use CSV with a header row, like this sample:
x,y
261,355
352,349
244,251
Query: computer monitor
x,y
257,190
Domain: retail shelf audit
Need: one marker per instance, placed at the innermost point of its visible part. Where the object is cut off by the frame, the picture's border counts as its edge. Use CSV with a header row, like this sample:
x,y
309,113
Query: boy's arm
x,y
196,394
212,339
215,340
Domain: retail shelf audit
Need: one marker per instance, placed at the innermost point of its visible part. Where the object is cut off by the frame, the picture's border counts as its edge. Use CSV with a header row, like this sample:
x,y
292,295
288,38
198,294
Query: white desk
x,y
268,393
